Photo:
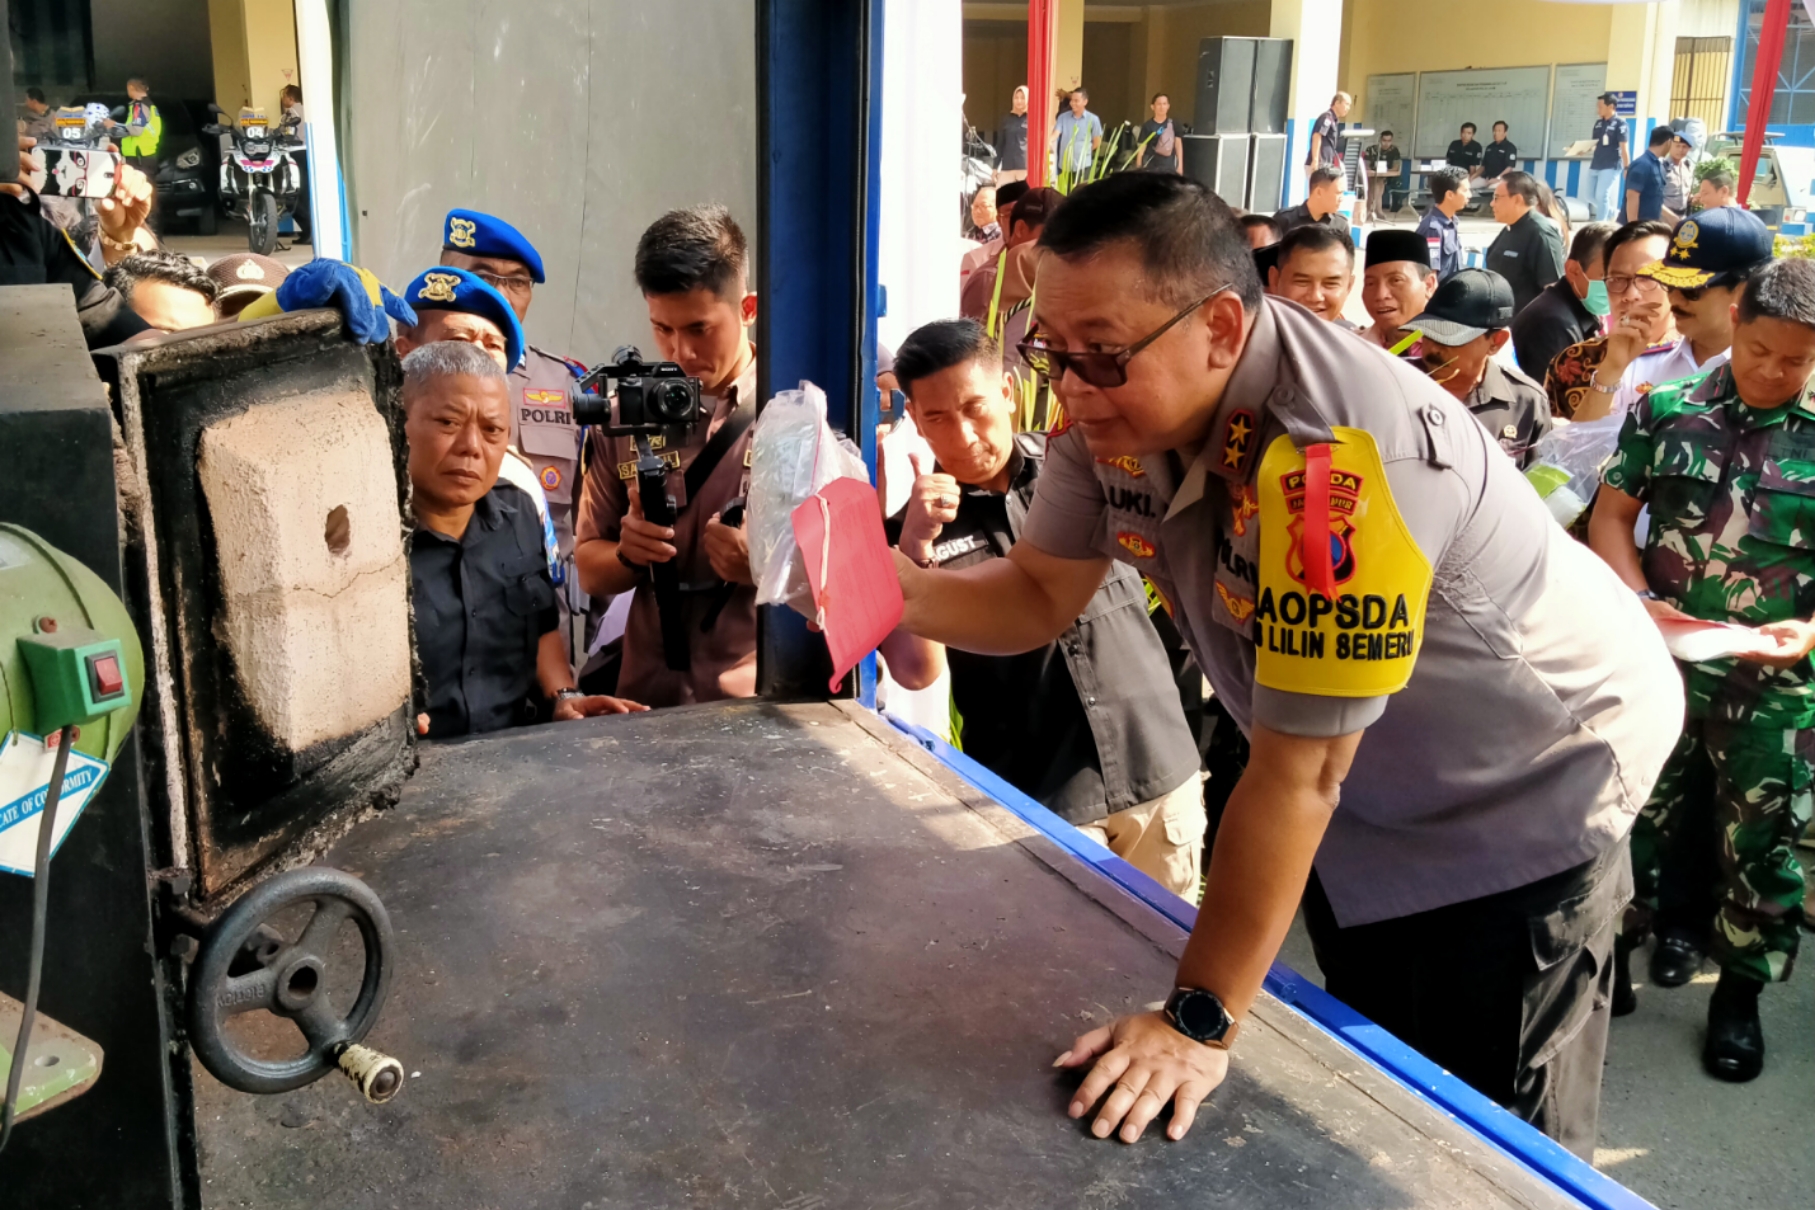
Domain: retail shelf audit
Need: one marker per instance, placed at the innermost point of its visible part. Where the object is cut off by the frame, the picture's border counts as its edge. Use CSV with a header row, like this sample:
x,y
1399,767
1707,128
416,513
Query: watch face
x,y
1201,1016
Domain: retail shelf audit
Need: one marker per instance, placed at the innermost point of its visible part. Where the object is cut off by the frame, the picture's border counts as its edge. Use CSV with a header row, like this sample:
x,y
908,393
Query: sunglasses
x,y
1101,368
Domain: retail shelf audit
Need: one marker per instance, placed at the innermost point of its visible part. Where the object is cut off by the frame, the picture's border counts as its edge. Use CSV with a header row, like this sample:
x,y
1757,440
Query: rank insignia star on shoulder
x,y
1238,437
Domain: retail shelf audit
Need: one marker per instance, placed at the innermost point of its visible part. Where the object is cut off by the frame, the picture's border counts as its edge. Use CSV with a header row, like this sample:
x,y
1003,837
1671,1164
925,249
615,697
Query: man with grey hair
x,y
487,629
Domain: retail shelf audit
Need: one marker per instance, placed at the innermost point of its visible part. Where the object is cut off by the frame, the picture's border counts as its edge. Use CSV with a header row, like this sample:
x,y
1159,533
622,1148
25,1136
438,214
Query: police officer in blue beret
x,y
452,304
542,424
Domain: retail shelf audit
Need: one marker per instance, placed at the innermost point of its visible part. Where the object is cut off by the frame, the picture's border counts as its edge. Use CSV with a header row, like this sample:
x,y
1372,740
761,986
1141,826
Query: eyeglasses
x,y
1619,283
1102,368
514,284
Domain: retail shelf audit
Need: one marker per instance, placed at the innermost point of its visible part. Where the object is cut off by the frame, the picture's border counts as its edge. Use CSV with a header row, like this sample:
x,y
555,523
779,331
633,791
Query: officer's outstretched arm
x,y
1270,831
1000,606
1610,535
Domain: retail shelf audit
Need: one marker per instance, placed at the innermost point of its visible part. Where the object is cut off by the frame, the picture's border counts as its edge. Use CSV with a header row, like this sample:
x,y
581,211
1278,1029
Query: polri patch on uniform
x,y
551,478
1135,544
538,398
1128,464
1239,607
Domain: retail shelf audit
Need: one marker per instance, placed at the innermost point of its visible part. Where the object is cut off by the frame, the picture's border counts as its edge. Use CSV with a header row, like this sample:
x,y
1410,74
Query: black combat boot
x,y
1735,1050
1625,1000
1676,959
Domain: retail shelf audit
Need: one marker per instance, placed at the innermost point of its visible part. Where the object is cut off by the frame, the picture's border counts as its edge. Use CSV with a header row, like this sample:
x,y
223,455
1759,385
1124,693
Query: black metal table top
x,y
777,956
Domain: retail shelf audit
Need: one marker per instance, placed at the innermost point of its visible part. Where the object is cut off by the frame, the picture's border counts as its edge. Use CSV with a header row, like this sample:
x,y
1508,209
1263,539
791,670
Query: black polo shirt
x,y
1498,157
1088,725
1555,320
1294,217
1529,255
1464,155
483,601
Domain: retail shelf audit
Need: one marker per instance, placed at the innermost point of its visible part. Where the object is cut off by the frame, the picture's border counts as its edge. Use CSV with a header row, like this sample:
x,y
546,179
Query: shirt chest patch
x,y
945,552
542,406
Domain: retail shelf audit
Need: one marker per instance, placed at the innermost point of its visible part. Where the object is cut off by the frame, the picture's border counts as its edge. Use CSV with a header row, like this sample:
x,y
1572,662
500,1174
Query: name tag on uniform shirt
x,y
1509,252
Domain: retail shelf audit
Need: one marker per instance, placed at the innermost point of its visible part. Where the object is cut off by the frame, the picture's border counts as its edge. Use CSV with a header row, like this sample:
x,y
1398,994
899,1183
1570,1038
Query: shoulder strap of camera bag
x,y
735,426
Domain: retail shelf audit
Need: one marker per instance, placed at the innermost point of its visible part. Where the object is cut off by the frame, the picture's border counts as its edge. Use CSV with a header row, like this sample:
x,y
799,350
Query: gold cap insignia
x,y
438,287
1687,236
462,232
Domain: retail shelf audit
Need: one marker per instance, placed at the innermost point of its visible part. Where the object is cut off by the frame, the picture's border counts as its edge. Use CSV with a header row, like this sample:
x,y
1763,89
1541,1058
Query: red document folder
x,y
850,570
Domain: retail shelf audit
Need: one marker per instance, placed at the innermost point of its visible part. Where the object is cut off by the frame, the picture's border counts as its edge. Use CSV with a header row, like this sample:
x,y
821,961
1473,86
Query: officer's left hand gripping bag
x,y
1343,585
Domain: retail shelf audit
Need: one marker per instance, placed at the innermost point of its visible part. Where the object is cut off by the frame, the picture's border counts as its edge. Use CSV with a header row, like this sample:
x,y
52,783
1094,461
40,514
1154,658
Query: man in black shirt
x,y
1498,155
487,629
1090,725
1320,204
1465,153
1529,252
1569,309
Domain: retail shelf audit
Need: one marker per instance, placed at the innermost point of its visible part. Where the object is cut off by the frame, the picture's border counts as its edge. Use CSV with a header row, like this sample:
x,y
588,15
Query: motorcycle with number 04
x,y
260,182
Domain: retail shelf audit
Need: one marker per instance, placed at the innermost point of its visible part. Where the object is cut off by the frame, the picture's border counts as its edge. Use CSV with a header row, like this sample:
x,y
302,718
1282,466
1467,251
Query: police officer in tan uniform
x,y
1386,609
692,266
541,420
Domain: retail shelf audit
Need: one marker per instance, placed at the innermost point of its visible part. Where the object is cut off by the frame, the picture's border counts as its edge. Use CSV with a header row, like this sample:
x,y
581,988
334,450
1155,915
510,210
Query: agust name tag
x,y
628,470
1362,640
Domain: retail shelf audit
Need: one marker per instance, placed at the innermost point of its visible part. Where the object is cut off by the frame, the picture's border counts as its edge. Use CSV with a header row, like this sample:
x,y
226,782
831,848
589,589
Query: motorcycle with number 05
x,y
260,182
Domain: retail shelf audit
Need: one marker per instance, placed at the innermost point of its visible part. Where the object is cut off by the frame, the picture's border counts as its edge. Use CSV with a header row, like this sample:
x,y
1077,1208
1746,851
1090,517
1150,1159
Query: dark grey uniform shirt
x,y
1513,409
1539,702
483,603
1090,724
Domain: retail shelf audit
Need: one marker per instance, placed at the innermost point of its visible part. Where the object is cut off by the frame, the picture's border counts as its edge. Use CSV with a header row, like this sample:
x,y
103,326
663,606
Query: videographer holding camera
x,y
692,268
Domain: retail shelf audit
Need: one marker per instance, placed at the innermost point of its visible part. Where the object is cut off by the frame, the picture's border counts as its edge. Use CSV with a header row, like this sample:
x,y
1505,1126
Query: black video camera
x,y
651,400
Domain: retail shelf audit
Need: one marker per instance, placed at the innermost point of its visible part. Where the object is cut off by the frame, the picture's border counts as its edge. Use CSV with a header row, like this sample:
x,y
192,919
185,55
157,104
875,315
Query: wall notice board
x,y
1518,96
1393,105
1572,108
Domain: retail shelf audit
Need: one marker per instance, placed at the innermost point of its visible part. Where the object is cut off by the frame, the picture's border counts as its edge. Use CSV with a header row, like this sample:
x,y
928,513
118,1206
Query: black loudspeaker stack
x,y
1238,148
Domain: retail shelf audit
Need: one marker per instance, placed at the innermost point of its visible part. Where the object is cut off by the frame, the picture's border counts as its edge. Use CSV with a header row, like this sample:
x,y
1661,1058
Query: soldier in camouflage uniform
x,y
1728,469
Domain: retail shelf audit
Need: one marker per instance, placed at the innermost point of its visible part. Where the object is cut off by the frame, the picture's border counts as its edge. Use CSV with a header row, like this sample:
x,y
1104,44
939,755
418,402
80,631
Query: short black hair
x,y
1590,243
1036,207
940,345
1521,185
1501,125
35,93
1249,222
1314,237
1010,192
1446,181
700,247
1469,126
1386,134
1078,92
1720,179
1643,228
1660,136
1185,235
1325,175
1780,289
125,274
1156,96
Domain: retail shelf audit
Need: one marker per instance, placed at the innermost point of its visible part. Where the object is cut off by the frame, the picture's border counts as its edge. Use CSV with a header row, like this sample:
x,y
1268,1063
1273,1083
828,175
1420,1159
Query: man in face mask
x,y
1462,327
1570,308
1584,378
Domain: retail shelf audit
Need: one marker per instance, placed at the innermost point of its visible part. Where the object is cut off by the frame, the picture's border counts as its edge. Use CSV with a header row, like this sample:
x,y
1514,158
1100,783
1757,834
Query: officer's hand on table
x,y
569,709
1144,1064
931,506
1795,639
641,542
728,550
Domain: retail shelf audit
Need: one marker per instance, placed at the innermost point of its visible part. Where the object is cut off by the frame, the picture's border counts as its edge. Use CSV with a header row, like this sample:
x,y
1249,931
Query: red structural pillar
x,y
1042,31
1764,84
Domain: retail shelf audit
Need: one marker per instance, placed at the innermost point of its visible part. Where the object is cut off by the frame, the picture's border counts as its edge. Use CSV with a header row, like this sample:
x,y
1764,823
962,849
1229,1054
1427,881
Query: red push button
x,y
104,676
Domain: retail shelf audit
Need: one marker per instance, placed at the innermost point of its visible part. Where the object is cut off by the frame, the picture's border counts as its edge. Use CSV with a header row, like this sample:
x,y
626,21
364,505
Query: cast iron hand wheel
x,y
287,978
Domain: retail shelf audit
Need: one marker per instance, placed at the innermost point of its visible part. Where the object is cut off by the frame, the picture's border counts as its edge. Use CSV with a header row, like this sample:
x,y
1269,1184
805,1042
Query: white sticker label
x,y
26,765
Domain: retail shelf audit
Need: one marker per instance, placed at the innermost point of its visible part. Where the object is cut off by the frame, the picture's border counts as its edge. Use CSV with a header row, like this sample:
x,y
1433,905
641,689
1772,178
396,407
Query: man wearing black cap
x,y
1463,327
1397,282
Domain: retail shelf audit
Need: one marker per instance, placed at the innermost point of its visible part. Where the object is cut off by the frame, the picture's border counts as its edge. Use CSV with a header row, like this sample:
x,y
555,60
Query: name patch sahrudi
x,y
1357,636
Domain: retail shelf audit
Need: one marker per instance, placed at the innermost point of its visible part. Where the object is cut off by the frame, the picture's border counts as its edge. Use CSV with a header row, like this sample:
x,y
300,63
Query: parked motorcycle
x,y
260,182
